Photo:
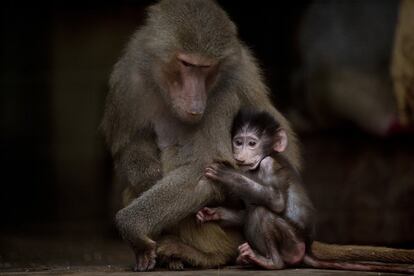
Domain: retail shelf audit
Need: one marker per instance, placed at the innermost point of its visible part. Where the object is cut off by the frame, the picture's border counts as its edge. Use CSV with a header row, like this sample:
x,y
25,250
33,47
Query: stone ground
x,y
91,256
102,270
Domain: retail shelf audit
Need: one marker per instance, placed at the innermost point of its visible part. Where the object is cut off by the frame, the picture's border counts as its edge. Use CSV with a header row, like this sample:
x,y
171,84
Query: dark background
x,y
56,172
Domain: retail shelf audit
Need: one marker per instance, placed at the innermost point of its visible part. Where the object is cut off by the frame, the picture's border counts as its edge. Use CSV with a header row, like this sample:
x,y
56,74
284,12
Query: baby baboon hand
x,y
207,214
218,172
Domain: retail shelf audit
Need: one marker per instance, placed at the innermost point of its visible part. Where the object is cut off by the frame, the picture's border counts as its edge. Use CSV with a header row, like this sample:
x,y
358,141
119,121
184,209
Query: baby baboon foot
x,y
206,214
296,255
246,254
145,260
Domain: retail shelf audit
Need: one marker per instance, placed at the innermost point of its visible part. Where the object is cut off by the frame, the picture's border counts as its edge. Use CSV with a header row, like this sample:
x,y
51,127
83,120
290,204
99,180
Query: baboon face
x,y
247,149
187,79
191,53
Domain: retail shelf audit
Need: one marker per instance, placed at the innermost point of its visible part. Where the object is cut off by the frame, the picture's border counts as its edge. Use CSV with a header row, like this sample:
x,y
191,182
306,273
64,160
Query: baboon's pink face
x,y
189,78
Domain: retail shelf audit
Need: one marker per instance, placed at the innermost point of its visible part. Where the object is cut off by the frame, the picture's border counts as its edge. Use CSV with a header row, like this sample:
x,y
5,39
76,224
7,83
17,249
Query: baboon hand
x,y
145,257
207,214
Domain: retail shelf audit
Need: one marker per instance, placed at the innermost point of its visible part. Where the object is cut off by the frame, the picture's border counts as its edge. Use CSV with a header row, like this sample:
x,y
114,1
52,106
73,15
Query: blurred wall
x,y
25,122
55,65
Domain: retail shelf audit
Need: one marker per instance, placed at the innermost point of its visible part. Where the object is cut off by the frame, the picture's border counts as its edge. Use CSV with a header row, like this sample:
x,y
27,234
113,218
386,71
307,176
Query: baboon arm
x,y
138,166
169,201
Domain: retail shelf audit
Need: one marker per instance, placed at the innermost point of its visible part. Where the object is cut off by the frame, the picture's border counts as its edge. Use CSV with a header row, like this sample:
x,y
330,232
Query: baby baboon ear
x,y
281,140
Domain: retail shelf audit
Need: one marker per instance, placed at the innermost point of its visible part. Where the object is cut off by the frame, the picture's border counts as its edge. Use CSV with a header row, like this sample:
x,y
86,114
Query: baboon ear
x,y
281,140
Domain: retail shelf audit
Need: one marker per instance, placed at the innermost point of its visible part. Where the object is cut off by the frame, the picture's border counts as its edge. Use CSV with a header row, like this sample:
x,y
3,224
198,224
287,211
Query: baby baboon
x,y
278,218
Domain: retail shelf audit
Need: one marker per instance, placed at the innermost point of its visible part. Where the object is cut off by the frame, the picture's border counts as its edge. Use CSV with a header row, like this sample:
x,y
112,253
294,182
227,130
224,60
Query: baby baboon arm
x,y
246,188
277,204
231,217
224,216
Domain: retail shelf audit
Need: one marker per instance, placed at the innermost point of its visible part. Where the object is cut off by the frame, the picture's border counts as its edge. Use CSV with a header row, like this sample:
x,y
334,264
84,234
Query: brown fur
x,y
202,253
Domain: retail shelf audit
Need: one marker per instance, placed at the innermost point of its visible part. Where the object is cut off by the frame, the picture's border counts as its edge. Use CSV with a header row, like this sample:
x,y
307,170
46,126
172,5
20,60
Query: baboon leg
x,y
175,253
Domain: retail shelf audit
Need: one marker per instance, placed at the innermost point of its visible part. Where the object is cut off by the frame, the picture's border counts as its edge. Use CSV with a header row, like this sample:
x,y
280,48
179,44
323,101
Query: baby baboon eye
x,y
252,143
238,142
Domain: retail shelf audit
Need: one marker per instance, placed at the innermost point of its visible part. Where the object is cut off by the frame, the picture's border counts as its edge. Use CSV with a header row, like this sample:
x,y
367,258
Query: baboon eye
x,y
238,143
186,64
252,143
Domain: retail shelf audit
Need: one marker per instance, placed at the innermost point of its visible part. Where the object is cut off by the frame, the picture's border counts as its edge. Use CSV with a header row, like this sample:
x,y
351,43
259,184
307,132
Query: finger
x,y
150,260
244,250
152,263
210,175
244,245
246,254
145,261
209,211
200,218
210,171
139,264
